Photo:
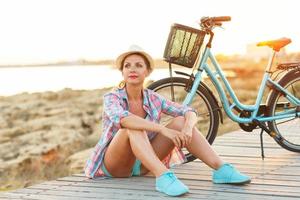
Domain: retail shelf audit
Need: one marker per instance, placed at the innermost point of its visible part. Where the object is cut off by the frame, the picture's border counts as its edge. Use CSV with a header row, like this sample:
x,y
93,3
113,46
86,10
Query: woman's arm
x,y
135,122
123,118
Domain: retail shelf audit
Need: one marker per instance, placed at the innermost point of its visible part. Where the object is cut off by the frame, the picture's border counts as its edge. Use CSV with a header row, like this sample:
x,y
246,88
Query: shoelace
x,y
172,176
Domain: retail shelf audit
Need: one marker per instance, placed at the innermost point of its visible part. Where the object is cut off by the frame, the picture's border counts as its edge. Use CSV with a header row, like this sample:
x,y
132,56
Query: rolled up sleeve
x,y
113,110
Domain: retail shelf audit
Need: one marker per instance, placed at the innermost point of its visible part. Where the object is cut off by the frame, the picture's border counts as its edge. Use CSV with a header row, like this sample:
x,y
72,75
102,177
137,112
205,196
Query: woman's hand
x,y
179,138
188,132
190,122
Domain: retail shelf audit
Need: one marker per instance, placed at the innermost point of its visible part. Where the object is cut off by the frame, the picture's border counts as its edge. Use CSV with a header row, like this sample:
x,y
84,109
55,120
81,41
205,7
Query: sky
x,y
34,31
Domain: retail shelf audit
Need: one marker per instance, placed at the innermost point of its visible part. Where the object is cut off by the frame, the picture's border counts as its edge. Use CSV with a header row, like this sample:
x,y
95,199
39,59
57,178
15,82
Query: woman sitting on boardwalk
x,y
133,142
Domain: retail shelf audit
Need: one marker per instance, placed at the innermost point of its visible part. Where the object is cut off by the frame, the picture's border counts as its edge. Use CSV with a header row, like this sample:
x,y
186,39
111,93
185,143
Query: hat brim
x,y
121,57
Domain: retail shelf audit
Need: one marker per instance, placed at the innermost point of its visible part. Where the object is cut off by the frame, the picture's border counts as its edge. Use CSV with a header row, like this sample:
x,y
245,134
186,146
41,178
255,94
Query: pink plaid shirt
x,y
115,108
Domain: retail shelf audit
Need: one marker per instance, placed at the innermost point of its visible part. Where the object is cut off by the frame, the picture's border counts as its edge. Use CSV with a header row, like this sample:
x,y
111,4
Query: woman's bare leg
x,y
143,150
119,157
126,146
201,149
119,162
158,142
199,146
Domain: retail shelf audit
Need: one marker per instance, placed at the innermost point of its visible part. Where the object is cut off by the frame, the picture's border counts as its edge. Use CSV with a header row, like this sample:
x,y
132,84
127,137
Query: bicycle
x,y
281,110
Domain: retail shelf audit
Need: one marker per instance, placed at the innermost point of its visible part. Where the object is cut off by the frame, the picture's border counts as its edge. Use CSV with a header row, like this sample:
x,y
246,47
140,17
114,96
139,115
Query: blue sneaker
x,y
169,184
228,174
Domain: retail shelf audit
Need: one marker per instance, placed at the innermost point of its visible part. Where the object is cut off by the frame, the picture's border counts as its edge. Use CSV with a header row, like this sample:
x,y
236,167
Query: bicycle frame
x,y
203,66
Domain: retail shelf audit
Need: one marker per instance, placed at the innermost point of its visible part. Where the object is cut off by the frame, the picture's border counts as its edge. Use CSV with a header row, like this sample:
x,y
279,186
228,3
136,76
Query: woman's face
x,y
134,69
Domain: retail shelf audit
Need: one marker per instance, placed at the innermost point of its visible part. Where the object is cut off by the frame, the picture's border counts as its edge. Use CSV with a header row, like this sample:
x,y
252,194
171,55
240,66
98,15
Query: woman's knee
x,y
122,133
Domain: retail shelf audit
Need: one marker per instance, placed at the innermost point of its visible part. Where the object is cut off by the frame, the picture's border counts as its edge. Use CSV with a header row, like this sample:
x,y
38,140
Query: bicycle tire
x,y
163,87
289,138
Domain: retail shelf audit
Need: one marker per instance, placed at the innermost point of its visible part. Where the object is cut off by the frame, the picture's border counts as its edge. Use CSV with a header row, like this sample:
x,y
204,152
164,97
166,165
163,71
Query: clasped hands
x,y
180,138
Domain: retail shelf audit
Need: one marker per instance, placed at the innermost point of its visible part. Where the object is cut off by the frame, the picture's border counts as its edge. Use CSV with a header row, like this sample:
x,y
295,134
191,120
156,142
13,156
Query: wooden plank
x,y
288,181
145,182
276,177
94,191
195,186
125,186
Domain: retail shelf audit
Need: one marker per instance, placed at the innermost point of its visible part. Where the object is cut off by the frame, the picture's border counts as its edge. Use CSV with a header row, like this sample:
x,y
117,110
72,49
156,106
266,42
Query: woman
x,y
133,142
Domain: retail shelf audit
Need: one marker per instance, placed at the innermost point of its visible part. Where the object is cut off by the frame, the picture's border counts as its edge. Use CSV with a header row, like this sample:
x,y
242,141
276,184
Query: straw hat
x,y
132,50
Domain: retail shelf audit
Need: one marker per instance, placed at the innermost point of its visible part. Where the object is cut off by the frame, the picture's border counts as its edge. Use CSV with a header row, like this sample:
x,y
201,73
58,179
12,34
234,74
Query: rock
x,y
10,155
41,133
3,123
4,139
77,161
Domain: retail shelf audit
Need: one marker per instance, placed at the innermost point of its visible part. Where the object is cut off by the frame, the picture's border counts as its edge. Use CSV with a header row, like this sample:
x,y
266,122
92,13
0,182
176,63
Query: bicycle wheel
x,y
203,102
287,128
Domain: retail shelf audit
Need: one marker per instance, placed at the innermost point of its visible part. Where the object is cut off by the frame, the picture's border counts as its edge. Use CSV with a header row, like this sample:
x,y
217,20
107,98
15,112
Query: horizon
x,y
54,31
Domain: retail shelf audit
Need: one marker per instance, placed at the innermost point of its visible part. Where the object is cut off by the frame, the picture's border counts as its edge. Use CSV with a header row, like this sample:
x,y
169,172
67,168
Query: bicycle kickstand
x,y
263,128
262,144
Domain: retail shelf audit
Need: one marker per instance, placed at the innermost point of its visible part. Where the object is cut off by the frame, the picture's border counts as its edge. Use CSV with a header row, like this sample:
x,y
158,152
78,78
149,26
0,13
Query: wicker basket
x,y
183,45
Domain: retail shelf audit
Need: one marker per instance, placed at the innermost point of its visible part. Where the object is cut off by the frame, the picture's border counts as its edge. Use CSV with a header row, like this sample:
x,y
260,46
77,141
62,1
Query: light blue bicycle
x,y
279,116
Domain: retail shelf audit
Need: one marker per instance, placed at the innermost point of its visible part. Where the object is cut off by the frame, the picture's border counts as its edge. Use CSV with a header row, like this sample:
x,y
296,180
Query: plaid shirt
x,y
115,108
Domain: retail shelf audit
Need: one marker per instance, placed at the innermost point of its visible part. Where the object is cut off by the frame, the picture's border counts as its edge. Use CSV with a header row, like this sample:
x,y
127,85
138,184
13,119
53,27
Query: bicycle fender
x,y
280,81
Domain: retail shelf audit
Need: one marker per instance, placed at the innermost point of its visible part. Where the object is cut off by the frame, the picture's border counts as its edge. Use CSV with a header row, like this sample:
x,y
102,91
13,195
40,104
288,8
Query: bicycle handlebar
x,y
208,23
221,19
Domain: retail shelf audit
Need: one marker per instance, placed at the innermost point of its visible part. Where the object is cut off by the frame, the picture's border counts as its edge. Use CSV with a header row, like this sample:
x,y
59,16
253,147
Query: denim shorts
x,y
136,171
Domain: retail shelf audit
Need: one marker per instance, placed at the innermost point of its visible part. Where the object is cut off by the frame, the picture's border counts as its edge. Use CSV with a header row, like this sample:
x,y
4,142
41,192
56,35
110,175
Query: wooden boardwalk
x,y
276,177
